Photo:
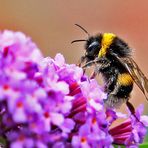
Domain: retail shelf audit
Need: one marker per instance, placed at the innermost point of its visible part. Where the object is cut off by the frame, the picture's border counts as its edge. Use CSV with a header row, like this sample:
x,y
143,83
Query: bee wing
x,y
137,75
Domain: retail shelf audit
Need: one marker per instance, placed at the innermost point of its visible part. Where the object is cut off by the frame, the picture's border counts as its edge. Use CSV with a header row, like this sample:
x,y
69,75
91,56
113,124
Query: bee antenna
x,y
83,29
78,41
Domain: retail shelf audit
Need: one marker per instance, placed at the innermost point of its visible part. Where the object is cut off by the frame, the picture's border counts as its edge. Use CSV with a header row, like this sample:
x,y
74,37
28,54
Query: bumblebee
x,y
111,56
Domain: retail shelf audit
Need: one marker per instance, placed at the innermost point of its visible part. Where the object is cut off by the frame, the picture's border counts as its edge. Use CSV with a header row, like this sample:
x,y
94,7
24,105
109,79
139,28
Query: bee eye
x,y
93,45
93,48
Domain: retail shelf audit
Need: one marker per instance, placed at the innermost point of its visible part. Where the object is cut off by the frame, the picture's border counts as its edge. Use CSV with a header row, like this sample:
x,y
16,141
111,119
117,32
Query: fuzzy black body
x,y
118,83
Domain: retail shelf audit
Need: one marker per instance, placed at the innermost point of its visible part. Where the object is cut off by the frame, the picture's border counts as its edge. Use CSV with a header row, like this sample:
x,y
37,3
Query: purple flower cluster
x,y
45,102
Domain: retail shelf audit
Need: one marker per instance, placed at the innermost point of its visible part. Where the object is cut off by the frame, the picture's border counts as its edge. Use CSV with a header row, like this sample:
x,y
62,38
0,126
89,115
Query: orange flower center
x,y
6,87
83,139
19,104
46,115
94,120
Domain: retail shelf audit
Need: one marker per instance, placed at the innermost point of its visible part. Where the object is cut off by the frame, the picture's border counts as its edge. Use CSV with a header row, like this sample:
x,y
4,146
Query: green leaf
x,y
121,146
144,145
2,142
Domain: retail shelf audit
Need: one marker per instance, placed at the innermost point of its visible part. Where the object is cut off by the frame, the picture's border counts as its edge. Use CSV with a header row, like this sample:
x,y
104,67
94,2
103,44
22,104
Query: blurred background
x,y
50,23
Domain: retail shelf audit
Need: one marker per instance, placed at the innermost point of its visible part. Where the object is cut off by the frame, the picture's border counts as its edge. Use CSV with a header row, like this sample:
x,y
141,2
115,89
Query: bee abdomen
x,y
125,79
124,91
125,85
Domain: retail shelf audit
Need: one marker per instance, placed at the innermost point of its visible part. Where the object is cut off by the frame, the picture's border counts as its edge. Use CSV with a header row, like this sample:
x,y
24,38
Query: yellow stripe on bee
x,y
125,79
106,42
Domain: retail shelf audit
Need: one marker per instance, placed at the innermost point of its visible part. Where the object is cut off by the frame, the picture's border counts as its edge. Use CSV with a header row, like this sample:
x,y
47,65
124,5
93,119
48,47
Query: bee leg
x,y
130,107
83,58
132,110
84,70
90,63
93,75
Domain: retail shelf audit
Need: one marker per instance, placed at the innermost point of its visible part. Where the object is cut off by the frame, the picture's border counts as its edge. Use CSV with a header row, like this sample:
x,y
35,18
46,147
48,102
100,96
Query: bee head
x,y
92,46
